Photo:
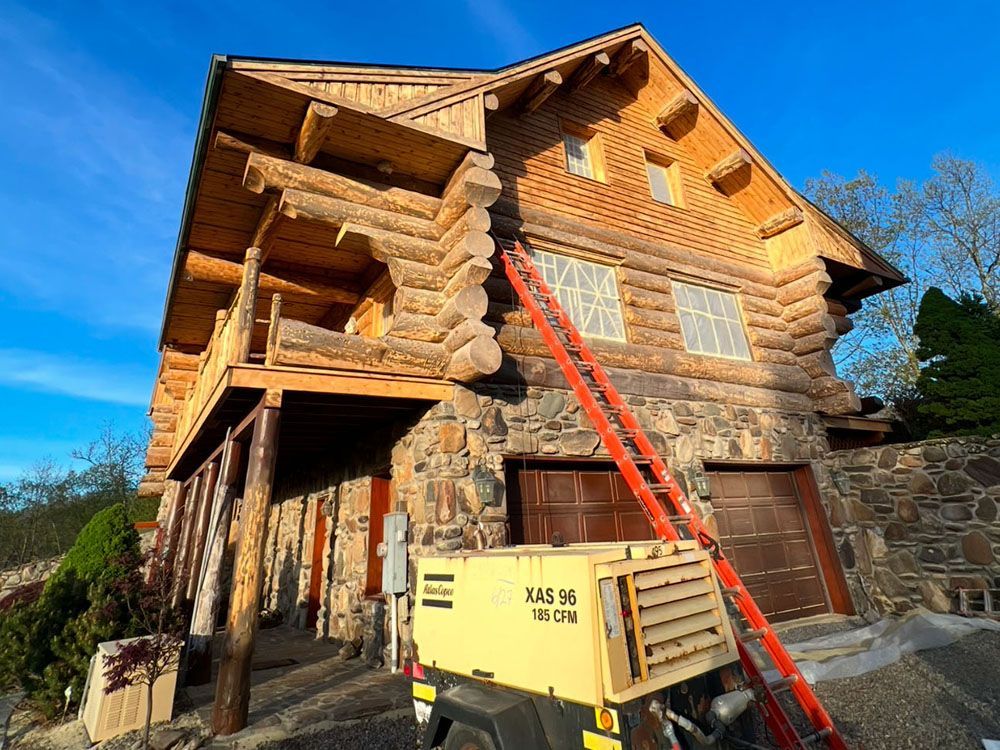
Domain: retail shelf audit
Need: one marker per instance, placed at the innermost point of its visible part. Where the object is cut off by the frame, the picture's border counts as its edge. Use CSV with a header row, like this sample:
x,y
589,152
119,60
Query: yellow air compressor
x,y
597,646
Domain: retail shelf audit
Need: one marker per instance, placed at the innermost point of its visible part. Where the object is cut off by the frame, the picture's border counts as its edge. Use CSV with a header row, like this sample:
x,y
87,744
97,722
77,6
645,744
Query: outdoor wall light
x,y
702,485
841,481
487,486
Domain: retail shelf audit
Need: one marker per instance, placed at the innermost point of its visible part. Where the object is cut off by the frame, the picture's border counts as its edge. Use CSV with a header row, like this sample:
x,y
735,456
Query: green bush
x,y
47,645
100,547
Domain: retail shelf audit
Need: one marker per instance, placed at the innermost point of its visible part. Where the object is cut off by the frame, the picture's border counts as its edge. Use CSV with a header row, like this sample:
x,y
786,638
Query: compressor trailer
x,y
598,646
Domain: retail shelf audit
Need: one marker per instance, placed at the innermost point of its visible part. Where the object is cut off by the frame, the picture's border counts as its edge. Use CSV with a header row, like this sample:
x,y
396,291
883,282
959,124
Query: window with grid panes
x,y
711,321
578,157
587,291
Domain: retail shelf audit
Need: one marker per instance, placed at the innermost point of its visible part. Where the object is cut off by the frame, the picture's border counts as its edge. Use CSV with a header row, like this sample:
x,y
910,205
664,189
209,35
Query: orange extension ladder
x,y
620,430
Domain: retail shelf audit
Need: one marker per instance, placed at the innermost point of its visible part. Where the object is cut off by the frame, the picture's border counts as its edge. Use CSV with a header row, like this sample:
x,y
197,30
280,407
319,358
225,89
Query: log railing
x,y
229,345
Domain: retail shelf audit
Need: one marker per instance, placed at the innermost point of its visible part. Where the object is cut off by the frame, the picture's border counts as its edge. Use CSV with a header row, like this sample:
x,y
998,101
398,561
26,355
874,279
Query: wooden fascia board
x,y
518,73
346,104
348,382
382,73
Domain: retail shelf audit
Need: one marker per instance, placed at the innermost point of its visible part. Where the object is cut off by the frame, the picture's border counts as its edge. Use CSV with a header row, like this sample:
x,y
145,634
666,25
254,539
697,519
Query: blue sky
x,y
100,103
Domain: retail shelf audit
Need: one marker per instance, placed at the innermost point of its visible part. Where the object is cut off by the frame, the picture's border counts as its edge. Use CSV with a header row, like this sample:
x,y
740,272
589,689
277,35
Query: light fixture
x,y
841,480
702,485
487,486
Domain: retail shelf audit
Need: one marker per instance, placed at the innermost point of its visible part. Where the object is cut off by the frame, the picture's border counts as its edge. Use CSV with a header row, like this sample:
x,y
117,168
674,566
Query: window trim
x,y
724,289
595,150
675,181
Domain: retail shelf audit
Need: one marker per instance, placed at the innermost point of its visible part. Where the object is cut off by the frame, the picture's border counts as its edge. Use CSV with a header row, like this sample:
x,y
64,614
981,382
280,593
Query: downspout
x,y
213,85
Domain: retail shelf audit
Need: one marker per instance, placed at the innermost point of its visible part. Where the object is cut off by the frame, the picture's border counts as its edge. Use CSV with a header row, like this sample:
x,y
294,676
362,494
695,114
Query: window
x,y
711,321
664,181
583,153
587,291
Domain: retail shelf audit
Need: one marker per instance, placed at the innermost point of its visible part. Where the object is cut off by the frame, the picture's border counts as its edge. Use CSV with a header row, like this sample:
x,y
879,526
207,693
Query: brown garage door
x,y
585,503
763,531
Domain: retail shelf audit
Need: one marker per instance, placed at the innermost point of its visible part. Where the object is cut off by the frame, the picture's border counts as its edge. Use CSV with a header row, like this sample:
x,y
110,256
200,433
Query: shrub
x,y
100,547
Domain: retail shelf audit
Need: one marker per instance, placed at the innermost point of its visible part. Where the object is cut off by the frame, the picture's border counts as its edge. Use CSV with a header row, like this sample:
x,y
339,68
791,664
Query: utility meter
x,y
392,550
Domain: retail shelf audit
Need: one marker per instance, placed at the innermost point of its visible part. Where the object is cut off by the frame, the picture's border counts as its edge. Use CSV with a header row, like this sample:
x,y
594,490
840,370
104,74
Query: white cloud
x,y
73,376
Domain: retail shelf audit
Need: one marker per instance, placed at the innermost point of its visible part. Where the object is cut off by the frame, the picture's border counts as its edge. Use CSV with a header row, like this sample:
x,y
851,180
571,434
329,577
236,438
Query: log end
x,y
478,358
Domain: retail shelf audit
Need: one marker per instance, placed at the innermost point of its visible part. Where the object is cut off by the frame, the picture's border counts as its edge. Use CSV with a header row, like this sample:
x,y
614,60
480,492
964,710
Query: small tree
x,y
960,382
142,661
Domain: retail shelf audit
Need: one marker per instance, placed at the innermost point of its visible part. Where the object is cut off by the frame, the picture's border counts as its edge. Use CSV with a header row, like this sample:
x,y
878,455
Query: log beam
x,y
491,103
630,54
589,70
316,125
232,696
300,204
779,222
267,227
682,105
202,267
475,187
727,167
246,309
539,90
479,357
263,172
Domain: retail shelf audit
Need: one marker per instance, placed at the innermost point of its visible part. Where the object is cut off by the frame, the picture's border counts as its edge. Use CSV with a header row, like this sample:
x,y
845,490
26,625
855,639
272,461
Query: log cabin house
x,y
339,341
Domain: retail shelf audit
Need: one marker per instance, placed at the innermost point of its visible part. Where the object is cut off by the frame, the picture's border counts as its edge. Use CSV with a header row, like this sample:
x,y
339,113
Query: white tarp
x,y
855,652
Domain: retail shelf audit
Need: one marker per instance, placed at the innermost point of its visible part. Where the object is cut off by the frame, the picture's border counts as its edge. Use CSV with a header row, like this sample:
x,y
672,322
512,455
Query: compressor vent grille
x,y
679,616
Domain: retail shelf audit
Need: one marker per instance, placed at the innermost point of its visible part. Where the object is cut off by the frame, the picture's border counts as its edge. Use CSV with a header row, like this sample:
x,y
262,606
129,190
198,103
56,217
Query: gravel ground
x,y
370,734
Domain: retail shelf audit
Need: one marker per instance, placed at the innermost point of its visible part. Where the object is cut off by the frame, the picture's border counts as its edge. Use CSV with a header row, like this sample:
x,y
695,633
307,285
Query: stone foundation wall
x,y
918,520
490,424
38,570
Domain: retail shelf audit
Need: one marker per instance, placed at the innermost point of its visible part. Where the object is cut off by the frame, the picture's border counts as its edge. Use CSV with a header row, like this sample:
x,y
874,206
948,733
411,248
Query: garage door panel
x,y
595,487
781,483
789,518
599,526
765,521
757,485
739,521
558,487
635,527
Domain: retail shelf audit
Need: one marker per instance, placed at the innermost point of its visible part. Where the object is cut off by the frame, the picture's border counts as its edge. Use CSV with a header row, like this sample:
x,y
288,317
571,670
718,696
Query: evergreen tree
x,y
959,383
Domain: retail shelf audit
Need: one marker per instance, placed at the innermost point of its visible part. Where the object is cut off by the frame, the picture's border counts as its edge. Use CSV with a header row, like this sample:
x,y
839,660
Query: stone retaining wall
x,y
918,520
38,570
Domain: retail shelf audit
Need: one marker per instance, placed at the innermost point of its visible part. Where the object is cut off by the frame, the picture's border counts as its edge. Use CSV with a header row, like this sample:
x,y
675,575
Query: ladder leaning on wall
x,y
659,494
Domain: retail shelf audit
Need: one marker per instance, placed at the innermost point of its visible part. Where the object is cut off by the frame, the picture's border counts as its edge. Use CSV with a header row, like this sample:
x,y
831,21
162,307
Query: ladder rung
x,y
753,635
661,487
783,684
730,591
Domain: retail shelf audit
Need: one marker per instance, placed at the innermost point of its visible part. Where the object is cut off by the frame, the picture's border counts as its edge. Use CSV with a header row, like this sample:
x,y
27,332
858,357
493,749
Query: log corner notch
x,y
779,222
731,173
540,89
316,126
675,118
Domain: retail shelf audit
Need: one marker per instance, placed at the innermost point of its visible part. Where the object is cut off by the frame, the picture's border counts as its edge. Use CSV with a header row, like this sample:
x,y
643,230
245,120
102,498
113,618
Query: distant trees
x,y
944,233
42,511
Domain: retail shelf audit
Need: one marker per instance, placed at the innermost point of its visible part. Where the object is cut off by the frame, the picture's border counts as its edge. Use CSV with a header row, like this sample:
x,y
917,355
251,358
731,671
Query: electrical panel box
x,y
394,571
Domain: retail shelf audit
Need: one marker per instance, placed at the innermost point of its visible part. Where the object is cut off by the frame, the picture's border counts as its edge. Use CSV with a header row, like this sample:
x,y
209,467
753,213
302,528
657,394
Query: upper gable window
x,y
587,291
664,180
711,321
583,151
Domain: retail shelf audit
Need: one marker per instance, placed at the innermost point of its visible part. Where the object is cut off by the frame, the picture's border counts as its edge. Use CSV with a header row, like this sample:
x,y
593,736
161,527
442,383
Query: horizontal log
x,y
661,321
422,327
469,304
464,332
304,345
471,273
816,342
842,324
541,372
655,337
298,287
472,245
819,364
476,220
491,103
477,187
269,173
316,126
728,166
408,299
479,357
588,70
337,212
818,322
758,320
417,275
648,299
528,342
249,145
383,244
815,284
762,338
780,221
846,402
683,104
539,90
811,305
175,360
471,159
789,274
629,55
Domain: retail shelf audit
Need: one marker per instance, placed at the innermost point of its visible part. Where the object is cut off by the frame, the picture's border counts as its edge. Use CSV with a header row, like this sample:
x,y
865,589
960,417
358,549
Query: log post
x,y
206,606
246,309
201,528
183,549
272,330
232,696
175,520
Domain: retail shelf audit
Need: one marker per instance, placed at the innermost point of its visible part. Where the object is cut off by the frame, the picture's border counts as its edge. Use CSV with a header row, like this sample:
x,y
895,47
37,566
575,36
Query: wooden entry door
x,y
583,502
765,532
316,572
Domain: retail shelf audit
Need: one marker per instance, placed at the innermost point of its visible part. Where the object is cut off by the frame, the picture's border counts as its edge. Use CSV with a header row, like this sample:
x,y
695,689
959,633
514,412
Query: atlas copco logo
x,y
437,589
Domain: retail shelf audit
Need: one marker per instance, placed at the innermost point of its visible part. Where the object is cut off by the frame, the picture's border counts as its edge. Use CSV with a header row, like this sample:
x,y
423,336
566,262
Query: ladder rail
x,y
520,270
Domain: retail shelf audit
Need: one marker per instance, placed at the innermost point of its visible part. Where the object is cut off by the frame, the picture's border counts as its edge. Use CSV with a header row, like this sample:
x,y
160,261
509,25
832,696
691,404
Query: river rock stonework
x,y
37,570
919,519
